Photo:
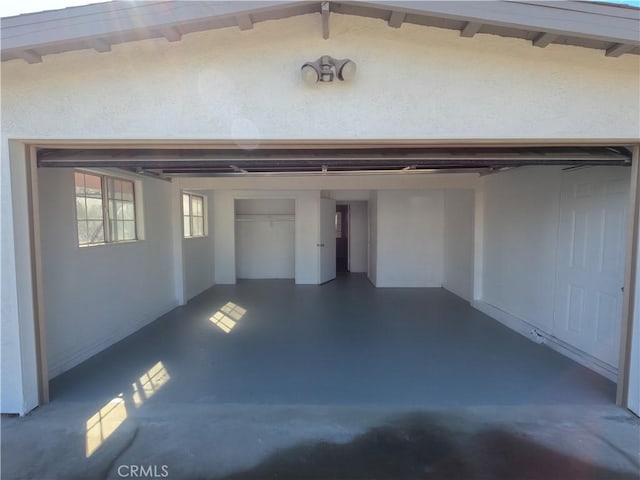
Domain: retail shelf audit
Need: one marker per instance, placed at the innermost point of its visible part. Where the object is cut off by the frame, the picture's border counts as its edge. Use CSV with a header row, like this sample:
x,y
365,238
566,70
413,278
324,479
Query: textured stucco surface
x,y
412,82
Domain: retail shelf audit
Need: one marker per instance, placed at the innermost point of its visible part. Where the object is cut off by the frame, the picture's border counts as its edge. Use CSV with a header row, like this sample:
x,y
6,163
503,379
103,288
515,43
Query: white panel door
x,y
327,243
590,274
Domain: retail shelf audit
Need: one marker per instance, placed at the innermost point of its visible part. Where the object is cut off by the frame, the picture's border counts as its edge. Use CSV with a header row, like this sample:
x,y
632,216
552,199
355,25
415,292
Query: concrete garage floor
x,y
337,381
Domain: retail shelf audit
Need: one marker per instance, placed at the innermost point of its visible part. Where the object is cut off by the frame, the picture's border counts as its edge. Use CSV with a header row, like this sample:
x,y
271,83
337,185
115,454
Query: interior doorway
x,y
342,238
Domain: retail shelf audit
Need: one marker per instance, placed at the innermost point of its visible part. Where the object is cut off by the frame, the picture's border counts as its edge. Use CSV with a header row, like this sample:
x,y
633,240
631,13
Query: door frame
x,y
345,218
321,243
628,371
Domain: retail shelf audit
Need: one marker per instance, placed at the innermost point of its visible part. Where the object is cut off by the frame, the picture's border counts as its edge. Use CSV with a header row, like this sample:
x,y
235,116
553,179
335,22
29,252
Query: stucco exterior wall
x,y
412,82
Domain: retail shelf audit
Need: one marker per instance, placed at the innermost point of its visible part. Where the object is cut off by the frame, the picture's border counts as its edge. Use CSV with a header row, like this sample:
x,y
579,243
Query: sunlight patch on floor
x,y
228,316
104,422
108,419
149,383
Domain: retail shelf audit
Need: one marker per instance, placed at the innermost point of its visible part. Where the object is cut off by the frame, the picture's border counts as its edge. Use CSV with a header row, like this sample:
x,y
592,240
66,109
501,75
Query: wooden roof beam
x,y
100,45
396,19
325,19
618,49
544,39
470,29
30,56
172,34
244,22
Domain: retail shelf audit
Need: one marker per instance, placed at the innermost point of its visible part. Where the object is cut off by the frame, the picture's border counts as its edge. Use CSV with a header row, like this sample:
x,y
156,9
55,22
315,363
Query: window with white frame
x,y
105,209
193,215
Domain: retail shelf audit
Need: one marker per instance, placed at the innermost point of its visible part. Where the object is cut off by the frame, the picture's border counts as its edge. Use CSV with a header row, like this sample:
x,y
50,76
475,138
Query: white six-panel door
x,y
590,274
327,244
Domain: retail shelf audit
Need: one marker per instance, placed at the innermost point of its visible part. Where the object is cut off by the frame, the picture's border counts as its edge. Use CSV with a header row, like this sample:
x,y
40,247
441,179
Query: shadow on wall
x,y
419,447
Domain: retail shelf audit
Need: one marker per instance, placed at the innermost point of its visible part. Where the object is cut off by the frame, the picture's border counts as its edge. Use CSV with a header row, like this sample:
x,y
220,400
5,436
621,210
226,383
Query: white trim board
x,y
534,334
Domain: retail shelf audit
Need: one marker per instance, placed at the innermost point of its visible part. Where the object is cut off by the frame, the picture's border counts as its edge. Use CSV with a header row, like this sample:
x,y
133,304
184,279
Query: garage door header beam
x,y
225,160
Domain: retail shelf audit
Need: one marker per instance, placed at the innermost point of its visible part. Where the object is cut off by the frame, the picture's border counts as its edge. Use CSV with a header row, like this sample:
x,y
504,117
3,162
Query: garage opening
x,y
462,238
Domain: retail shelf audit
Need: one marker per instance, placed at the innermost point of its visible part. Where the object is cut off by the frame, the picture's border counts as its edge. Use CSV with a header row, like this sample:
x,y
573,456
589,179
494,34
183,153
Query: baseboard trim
x,y
534,334
79,356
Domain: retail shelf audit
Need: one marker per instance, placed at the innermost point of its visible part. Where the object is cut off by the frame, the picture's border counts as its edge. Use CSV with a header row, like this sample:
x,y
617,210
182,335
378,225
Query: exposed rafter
x,y
470,29
244,22
325,19
100,45
30,56
607,27
544,39
172,34
396,19
618,50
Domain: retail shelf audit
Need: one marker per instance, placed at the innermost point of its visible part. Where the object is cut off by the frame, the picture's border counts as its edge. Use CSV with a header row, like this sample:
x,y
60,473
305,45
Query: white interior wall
x,y
520,242
458,242
410,237
373,238
265,206
358,237
265,238
198,255
97,295
224,237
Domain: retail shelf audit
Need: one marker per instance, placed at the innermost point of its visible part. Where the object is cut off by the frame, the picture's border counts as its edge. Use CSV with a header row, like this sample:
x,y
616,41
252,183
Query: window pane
x,y
79,180
185,204
83,237
119,209
94,209
198,226
81,208
93,185
187,227
129,230
127,191
119,230
196,206
128,212
118,189
114,188
95,232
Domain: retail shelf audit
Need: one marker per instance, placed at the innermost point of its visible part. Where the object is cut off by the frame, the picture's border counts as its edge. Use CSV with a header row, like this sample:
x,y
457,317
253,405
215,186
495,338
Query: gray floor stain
x,y
421,447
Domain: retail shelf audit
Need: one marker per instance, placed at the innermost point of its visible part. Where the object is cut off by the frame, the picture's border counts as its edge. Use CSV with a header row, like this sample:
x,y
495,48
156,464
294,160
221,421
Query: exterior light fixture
x,y
326,68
